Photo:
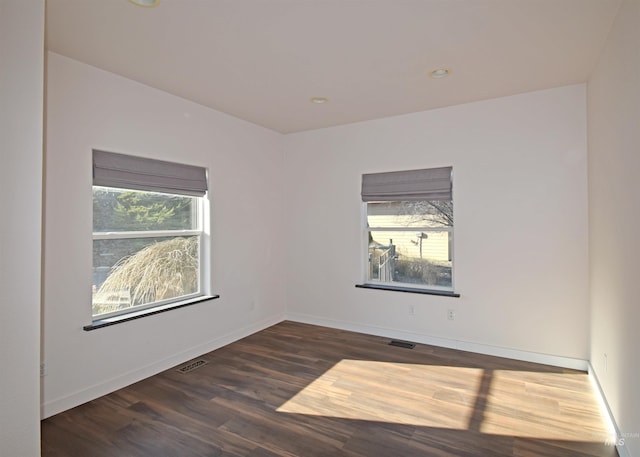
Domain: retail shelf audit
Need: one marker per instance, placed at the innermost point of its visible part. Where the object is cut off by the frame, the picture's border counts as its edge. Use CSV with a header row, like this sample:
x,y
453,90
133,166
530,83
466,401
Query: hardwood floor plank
x,y
296,390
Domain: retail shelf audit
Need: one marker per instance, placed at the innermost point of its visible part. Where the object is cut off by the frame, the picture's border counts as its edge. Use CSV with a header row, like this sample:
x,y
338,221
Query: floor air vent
x,y
402,344
192,366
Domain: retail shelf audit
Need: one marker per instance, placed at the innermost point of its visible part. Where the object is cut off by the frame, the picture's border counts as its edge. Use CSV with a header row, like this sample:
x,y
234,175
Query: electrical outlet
x,y
451,314
412,310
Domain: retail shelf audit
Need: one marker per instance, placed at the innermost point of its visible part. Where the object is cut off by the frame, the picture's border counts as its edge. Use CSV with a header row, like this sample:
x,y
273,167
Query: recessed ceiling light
x,y
318,100
440,73
146,3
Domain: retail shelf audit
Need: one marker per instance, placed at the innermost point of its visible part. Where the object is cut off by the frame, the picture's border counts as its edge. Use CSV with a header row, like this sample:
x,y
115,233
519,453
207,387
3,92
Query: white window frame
x,y
202,261
391,284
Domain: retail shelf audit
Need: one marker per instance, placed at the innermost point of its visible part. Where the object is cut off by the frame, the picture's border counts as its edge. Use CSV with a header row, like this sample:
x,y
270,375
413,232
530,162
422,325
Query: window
x,y
409,229
147,233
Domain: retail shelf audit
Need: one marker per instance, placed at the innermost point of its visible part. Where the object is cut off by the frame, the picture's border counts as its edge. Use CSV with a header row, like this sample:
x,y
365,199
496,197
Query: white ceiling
x,y
262,60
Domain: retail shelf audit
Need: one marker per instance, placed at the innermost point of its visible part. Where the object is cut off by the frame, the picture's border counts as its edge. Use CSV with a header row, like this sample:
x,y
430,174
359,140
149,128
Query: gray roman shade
x,y
128,172
411,185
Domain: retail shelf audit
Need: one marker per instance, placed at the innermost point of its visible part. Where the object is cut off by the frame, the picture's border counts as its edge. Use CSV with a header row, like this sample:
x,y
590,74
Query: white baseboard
x,y
516,354
58,405
623,451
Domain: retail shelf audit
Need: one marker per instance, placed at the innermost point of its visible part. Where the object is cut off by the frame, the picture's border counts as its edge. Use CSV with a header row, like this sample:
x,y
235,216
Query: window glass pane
x,y
132,272
421,258
116,210
410,214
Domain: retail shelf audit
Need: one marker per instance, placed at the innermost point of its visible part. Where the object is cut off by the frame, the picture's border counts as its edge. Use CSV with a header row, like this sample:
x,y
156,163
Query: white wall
x,y
89,108
520,199
21,102
614,221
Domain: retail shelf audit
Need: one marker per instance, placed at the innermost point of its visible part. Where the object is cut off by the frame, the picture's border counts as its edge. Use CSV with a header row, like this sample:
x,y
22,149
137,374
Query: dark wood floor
x,y
301,390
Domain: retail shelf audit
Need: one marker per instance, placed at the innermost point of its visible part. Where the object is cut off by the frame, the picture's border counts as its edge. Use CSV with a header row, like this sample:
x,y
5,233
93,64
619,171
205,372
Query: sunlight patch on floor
x,y
391,392
541,405
537,405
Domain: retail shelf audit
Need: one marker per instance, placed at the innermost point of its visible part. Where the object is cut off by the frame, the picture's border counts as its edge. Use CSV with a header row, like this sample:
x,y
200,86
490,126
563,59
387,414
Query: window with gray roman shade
x,y
150,249
124,171
408,231
412,185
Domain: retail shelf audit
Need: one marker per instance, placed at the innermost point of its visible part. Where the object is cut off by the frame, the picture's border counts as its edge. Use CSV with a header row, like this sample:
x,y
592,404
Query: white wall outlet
x,y
451,314
412,310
